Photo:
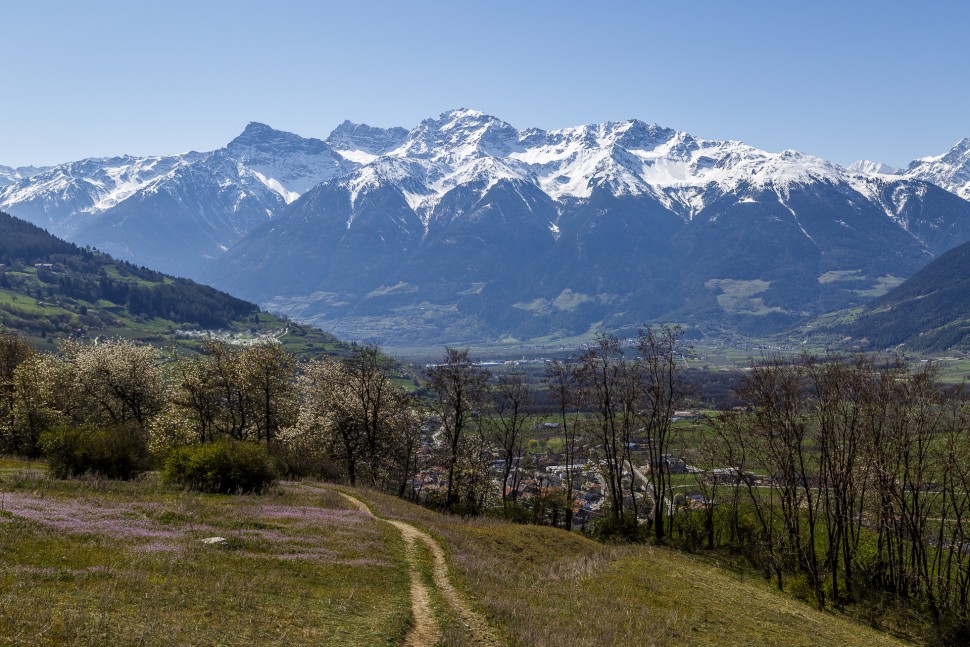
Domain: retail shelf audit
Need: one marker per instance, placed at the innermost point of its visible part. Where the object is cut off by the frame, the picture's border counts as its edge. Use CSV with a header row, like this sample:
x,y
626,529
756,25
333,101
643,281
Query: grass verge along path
x,y
425,630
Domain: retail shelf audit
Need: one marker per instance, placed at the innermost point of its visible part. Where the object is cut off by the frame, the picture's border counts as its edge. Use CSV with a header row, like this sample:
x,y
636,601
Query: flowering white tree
x,y
119,380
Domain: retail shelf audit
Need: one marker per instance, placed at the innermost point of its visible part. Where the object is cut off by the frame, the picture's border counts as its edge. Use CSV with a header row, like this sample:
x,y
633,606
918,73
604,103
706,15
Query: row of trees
x,y
611,399
850,473
324,417
847,476
346,418
625,402
342,419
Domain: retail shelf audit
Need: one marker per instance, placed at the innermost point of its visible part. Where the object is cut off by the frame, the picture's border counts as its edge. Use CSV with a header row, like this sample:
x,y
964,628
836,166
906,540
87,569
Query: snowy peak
x,y
632,157
461,147
9,175
64,196
285,163
262,163
956,155
262,138
950,170
632,134
211,199
362,143
458,134
869,167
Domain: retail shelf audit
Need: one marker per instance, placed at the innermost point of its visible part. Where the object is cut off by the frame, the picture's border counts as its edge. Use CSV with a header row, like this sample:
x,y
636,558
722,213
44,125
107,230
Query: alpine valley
x,y
467,229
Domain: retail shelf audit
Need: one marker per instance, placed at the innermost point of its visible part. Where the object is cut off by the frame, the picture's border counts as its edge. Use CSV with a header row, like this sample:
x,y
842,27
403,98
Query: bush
x,y
224,466
118,452
625,529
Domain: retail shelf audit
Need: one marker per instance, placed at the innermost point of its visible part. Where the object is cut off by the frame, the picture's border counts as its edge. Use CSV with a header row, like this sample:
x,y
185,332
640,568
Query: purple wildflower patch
x,y
308,513
83,517
158,547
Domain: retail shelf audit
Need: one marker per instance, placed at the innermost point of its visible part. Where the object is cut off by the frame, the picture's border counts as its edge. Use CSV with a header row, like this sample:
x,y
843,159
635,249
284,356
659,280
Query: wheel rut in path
x,y
425,631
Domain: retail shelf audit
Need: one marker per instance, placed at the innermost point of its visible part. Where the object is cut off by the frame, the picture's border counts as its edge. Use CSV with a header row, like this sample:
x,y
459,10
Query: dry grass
x,y
102,563
548,587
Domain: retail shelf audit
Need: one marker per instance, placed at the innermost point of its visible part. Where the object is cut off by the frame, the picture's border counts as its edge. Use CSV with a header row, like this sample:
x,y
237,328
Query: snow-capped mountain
x,y
471,228
362,143
9,175
465,227
64,198
950,170
286,163
873,168
462,147
174,212
629,158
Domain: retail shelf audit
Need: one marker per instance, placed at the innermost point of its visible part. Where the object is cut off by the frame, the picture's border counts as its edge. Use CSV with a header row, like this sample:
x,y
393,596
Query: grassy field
x,y
544,586
106,563
99,563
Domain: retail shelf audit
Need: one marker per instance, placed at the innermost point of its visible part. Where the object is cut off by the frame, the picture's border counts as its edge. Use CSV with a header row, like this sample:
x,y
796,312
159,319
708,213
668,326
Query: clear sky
x,y
843,80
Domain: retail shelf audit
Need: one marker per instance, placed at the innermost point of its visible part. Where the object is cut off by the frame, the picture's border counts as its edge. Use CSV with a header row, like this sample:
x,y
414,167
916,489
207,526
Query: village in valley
x,y
539,476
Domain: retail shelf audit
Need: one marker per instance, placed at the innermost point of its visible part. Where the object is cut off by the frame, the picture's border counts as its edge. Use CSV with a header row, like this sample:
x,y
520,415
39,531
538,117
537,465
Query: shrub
x,y
116,452
625,529
225,466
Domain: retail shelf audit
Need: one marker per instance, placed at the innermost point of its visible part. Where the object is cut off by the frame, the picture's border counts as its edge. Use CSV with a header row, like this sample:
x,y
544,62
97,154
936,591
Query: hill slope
x,y
86,565
545,586
51,288
930,311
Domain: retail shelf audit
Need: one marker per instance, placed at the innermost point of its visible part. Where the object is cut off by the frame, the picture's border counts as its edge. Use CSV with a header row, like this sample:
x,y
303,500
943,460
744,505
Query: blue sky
x,y
842,80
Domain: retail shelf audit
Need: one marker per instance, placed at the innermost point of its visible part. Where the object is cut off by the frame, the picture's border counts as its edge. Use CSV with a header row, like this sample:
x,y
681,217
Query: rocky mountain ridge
x,y
466,227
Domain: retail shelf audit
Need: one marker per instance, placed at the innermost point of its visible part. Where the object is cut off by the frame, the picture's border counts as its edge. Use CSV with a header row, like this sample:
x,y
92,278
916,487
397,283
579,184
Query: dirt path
x,y
425,631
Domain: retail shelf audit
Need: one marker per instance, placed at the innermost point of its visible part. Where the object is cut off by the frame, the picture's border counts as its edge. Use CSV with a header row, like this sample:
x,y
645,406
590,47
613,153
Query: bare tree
x,y
267,377
775,390
564,389
459,387
840,394
368,379
610,391
662,390
196,392
916,414
514,403
407,426
222,366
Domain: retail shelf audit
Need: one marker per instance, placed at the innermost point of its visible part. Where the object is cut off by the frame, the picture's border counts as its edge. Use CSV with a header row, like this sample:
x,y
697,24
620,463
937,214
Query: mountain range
x,y
173,213
467,228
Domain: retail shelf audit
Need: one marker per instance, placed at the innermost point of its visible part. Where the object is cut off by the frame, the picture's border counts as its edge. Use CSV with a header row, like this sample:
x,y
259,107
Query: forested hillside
x,y
51,288
929,312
